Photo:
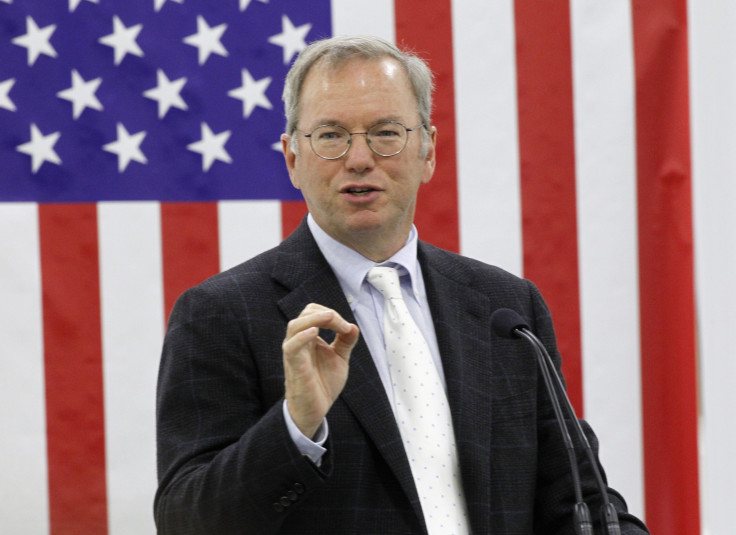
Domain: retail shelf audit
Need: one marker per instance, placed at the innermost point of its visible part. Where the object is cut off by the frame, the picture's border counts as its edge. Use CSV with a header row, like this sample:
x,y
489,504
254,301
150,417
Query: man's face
x,y
363,200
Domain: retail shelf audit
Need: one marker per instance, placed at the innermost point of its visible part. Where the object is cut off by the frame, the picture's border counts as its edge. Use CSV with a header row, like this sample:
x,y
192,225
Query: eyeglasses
x,y
330,141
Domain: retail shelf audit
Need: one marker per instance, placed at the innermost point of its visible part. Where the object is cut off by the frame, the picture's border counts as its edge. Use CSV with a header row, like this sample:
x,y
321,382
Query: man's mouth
x,y
359,190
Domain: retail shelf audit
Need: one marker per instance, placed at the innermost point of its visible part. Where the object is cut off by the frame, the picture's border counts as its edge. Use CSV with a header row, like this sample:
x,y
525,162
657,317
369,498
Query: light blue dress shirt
x,y
366,303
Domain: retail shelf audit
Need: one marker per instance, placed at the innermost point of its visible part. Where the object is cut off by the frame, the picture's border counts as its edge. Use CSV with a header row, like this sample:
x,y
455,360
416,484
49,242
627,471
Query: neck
x,y
374,248
376,244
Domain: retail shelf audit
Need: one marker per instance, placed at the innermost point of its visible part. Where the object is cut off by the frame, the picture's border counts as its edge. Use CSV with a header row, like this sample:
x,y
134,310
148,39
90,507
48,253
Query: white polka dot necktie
x,y
422,412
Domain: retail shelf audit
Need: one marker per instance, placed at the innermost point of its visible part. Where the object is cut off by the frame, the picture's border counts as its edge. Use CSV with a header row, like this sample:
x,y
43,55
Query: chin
x,y
364,221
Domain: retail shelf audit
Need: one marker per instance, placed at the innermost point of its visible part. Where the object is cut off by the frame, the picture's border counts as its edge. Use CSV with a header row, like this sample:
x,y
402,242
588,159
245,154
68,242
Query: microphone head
x,y
505,322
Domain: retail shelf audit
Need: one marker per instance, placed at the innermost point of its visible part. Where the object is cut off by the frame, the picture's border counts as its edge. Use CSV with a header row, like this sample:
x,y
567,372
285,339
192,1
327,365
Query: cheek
x,y
413,176
310,179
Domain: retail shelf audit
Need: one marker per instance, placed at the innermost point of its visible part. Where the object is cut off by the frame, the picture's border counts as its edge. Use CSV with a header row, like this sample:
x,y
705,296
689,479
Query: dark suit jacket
x,y
227,464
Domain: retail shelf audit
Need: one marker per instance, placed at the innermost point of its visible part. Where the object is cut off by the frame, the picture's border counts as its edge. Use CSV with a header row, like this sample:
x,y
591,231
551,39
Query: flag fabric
x,y
584,145
147,100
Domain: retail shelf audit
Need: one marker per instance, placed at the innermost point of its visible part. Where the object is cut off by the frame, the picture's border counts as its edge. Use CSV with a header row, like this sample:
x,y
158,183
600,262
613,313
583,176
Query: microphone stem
x,y
609,516
583,522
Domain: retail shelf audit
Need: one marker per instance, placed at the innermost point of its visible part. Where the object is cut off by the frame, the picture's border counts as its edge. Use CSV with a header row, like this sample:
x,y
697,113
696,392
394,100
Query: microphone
x,y
507,323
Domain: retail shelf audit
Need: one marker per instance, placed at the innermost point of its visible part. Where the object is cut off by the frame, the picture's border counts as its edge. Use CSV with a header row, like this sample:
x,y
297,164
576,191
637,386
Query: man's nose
x,y
360,156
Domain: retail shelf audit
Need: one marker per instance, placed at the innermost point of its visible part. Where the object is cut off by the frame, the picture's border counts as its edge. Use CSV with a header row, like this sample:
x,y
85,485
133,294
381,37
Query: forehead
x,y
358,89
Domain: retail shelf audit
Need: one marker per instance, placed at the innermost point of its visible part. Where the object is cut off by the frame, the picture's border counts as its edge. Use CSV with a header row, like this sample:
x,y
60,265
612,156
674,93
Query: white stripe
x,y
607,214
24,506
361,17
132,331
713,112
487,133
247,228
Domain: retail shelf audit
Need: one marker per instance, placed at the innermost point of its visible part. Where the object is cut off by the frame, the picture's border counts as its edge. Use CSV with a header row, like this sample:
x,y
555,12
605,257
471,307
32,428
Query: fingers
x,y
302,343
304,330
315,315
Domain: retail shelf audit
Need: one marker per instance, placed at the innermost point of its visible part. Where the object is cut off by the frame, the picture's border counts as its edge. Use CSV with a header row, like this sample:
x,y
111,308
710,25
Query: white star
x,y
290,38
167,93
245,3
207,39
36,40
5,88
81,94
40,148
73,4
158,4
127,147
7,1
122,39
252,93
211,147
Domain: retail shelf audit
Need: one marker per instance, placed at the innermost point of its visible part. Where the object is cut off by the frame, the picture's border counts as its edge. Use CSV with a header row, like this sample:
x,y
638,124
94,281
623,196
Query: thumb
x,y
344,342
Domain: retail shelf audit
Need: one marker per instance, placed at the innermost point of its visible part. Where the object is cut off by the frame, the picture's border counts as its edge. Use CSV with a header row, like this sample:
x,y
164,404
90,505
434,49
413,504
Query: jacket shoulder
x,y
466,270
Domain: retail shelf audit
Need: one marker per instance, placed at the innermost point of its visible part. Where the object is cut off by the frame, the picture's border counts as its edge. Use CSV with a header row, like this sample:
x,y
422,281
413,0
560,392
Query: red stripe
x,y
73,369
190,243
667,307
292,213
547,160
426,27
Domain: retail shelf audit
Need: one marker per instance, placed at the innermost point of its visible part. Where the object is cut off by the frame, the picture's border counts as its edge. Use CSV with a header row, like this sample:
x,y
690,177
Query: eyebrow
x,y
384,119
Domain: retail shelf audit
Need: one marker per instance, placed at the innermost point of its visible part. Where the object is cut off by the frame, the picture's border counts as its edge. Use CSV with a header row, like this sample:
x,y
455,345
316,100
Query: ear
x,y
290,158
430,159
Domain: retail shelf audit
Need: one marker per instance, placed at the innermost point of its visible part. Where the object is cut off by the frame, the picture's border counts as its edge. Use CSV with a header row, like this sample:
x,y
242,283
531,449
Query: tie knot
x,y
385,280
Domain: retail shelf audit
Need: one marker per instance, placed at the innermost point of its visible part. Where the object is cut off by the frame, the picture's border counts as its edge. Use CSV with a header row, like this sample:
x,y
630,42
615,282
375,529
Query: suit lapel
x,y
303,269
461,319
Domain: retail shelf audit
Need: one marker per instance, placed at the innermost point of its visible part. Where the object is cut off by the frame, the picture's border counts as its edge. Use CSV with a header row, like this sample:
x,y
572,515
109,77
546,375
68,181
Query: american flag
x,y
584,145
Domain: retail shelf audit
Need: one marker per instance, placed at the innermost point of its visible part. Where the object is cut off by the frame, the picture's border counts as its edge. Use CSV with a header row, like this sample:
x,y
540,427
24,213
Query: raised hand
x,y
316,371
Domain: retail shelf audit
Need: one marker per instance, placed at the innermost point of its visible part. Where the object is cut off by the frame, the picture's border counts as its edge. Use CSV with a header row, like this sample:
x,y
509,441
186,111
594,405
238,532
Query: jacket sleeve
x,y
226,463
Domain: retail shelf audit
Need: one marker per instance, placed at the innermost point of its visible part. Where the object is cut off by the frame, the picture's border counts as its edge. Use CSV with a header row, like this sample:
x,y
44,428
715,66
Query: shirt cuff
x,y
312,448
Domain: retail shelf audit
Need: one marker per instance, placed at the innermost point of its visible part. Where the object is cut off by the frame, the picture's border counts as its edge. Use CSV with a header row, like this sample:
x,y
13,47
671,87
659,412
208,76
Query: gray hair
x,y
336,51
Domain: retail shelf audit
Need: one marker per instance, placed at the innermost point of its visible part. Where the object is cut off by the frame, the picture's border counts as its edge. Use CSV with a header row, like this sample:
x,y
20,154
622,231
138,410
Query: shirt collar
x,y
351,267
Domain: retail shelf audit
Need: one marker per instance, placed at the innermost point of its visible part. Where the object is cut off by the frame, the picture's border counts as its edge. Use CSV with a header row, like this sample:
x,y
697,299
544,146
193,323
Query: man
x,y
280,407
